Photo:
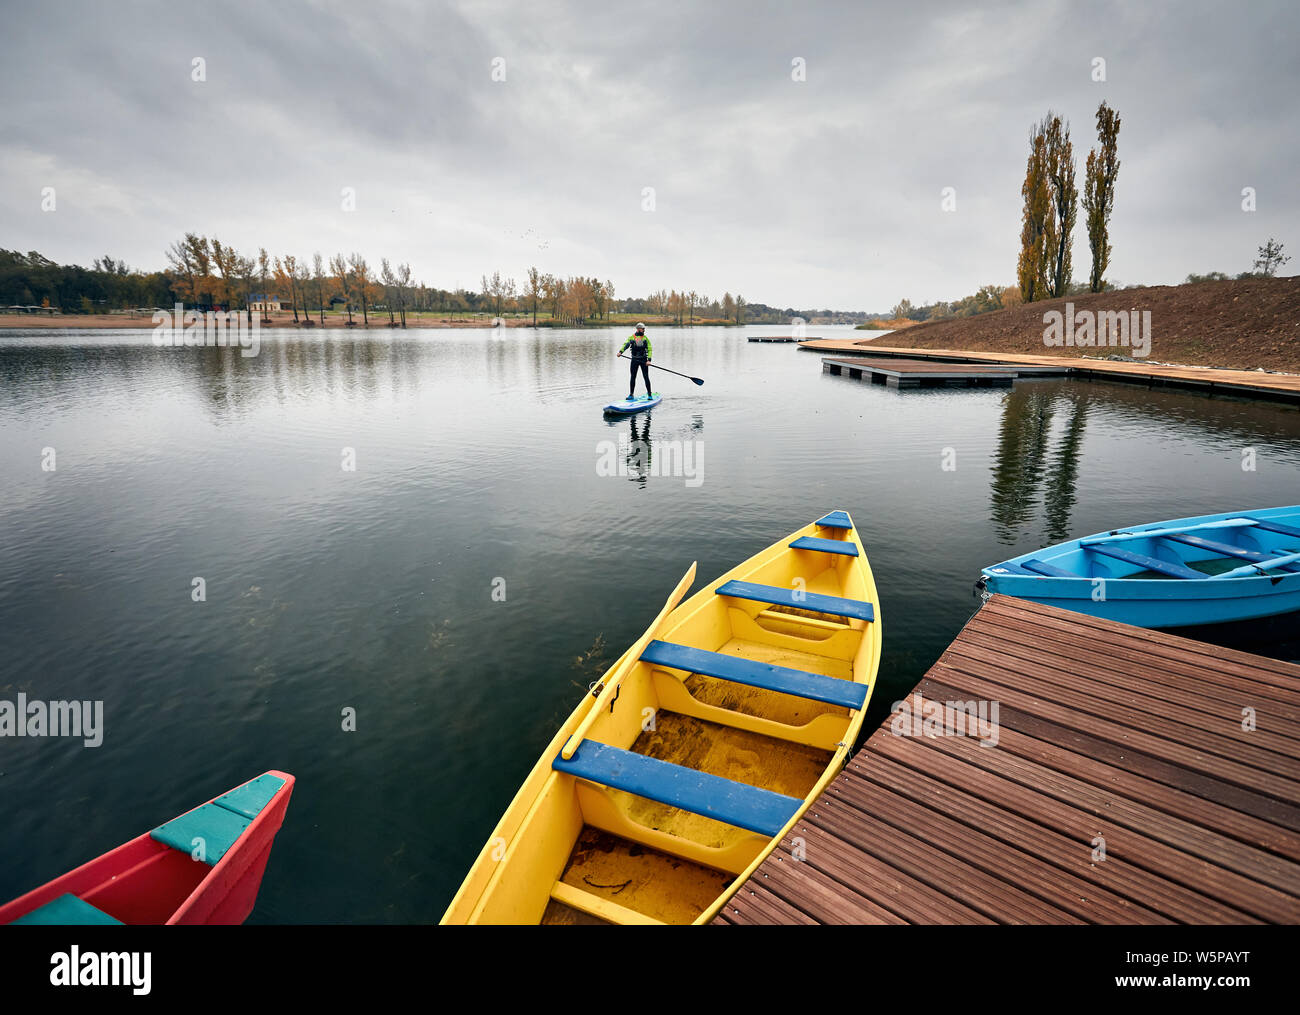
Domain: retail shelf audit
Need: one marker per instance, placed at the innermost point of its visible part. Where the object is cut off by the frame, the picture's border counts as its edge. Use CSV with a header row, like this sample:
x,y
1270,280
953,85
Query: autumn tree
x,y
190,259
1099,194
533,291
264,280
318,269
339,269
1037,220
362,285
301,276
246,269
286,277
225,265
1065,197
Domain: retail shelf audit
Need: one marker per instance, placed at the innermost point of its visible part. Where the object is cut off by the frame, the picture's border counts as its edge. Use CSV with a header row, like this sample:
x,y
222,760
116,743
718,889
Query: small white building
x,y
263,302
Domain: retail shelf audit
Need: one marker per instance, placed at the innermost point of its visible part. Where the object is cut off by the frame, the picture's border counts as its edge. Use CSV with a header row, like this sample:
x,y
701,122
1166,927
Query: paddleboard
x,y
631,405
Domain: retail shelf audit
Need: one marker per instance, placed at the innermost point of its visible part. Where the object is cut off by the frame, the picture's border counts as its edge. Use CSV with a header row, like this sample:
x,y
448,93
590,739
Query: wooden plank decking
x,y
1103,732
1209,380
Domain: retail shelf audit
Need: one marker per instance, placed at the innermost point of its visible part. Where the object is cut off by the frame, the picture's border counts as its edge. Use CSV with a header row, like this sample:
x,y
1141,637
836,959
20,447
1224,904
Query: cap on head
x,y
640,327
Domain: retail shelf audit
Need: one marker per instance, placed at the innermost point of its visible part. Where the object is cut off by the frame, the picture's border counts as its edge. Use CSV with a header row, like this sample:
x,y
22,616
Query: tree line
x,y
207,273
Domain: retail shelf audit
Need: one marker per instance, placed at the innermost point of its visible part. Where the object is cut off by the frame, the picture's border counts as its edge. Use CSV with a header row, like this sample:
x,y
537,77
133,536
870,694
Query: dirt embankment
x,y
1244,324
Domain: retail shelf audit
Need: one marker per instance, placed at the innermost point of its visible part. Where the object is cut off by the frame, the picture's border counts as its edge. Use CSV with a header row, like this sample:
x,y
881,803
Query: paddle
x,y
697,380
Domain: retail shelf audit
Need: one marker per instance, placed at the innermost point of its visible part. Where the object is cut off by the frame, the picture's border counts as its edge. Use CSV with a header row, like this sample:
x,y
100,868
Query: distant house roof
x,y
261,298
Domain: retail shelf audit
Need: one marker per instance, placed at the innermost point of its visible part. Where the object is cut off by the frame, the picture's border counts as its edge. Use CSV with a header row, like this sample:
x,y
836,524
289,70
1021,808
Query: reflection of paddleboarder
x,y
641,355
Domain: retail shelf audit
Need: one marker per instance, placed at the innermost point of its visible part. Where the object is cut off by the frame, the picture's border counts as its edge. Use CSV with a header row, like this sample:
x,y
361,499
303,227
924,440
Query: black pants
x,y
644,366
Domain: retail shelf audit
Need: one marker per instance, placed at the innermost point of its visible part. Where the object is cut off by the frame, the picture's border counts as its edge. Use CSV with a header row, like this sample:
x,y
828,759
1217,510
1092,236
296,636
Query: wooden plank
x,y
1236,803
1082,671
1272,876
863,874
1227,666
999,858
1133,737
812,892
901,842
754,904
1103,730
1221,735
1124,881
1135,847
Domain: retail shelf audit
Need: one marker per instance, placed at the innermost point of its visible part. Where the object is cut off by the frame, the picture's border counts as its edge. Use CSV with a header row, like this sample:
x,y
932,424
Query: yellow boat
x,y
697,751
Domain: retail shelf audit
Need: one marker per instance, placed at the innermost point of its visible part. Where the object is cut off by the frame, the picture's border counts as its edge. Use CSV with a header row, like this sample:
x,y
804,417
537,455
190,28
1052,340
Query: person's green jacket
x,y
642,351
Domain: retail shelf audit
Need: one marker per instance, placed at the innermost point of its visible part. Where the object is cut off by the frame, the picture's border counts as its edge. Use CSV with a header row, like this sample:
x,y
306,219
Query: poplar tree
x,y
1064,196
1037,220
1099,193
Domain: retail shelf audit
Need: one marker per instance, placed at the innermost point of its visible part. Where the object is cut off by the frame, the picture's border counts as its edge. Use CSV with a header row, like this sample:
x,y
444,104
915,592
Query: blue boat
x,y
1213,569
630,405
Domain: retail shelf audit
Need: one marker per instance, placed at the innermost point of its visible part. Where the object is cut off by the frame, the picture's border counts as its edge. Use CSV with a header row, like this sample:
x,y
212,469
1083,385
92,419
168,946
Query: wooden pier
x,y
1121,788
781,338
909,373
1207,380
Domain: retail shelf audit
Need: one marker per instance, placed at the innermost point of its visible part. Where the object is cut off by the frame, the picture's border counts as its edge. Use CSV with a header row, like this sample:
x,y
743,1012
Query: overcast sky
x,y
817,193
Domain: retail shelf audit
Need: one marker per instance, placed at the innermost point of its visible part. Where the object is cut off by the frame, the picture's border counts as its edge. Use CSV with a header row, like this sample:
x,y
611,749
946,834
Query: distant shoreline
x,y
378,322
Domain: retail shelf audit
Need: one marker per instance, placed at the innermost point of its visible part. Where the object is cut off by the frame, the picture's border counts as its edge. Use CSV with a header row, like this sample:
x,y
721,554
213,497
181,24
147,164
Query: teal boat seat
x,y
1143,561
250,798
735,803
839,546
813,686
800,600
69,911
835,520
219,824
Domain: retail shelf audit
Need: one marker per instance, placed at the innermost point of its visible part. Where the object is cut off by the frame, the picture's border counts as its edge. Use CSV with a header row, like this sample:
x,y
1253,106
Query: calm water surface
x,y
481,463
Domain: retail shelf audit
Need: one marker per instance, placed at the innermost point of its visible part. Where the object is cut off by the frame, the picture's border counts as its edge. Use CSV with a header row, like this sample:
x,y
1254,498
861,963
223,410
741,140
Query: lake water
x,y
482,465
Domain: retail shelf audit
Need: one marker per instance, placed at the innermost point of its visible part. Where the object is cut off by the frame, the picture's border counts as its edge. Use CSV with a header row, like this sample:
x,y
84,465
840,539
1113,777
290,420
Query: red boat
x,y
202,867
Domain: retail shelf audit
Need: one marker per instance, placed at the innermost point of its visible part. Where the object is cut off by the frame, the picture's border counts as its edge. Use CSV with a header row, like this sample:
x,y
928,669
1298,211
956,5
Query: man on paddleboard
x,y
641,354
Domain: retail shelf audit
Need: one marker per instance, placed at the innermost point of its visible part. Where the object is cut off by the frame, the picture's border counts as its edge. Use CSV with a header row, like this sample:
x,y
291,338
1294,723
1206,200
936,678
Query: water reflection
x,y
1020,457
635,447
1033,455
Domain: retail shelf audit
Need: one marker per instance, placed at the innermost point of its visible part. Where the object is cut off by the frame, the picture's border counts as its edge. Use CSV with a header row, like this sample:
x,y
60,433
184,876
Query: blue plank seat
x,y
1228,549
1286,530
735,803
840,546
835,520
802,684
1046,570
855,609
1141,560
